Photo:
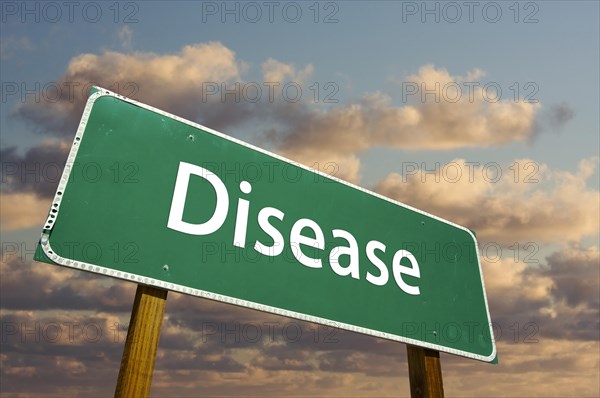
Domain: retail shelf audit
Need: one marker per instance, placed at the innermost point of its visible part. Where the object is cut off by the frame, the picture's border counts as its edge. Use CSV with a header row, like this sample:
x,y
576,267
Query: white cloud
x,y
179,83
173,82
125,35
276,71
22,210
555,207
341,133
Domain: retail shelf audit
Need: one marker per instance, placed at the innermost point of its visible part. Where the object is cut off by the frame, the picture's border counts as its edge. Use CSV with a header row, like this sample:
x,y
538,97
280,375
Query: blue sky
x,y
369,54
366,50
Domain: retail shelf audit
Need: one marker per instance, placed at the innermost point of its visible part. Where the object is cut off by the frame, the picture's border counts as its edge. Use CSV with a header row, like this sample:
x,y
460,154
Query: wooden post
x,y
137,363
424,372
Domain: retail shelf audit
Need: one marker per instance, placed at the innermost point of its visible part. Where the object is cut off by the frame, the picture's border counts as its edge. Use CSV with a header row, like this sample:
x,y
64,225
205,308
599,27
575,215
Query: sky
x,y
483,113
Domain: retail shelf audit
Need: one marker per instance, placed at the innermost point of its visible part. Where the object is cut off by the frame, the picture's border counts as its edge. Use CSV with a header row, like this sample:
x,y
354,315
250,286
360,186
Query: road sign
x,y
152,198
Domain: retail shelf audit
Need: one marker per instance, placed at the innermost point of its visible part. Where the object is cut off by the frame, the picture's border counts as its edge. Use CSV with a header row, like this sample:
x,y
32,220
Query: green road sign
x,y
155,199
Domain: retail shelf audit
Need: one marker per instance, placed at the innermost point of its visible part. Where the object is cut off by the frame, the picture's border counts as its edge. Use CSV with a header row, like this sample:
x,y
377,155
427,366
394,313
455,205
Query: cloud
x,y
276,71
202,82
172,82
560,296
52,287
37,171
11,45
517,293
35,344
29,181
226,361
556,299
22,210
78,321
339,134
541,205
576,274
125,35
557,116
548,368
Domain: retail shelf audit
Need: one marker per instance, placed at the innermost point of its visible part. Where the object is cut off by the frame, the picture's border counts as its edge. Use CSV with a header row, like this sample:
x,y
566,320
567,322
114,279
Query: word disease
x,y
296,236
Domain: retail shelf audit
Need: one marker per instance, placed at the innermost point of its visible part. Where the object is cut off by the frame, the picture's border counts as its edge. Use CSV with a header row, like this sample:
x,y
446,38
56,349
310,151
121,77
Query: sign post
x,y
137,362
424,372
158,200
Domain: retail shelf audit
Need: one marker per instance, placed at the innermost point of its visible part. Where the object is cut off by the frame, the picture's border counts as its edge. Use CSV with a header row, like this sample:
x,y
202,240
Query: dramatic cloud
x,y
545,314
78,321
545,328
37,171
558,298
29,181
173,82
437,122
22,210
429,124
276,71
36,343
516,290
546,368
520,202
206,83
51,287
576,274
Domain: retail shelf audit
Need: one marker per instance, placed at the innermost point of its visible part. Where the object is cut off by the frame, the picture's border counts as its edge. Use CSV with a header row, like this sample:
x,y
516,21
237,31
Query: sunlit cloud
x,y
541,206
